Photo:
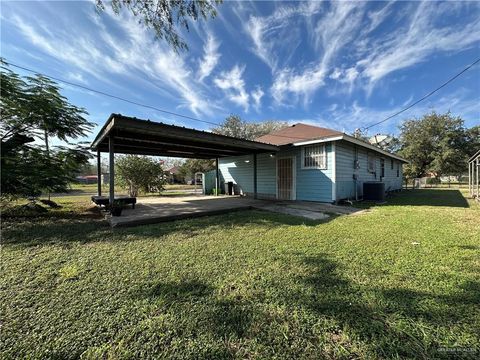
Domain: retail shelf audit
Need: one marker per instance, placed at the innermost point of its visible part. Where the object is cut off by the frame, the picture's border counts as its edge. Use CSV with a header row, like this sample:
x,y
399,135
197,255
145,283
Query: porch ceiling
x,y
144,137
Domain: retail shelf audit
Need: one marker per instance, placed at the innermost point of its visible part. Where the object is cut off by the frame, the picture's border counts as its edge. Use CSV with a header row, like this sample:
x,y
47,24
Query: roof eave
x,y
118,121
103,132
352,140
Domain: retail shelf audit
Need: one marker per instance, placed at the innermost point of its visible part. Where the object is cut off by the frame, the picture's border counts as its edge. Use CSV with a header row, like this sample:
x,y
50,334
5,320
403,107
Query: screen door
x,y
285,179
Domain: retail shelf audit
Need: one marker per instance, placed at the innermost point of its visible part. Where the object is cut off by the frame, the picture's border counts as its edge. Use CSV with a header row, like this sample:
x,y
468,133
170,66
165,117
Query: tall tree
x,y
234,126
165,16
32,108
437,143
51,114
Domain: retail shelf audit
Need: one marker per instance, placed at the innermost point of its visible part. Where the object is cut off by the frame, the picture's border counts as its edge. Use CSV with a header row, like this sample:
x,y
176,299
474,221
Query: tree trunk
x,y
47,148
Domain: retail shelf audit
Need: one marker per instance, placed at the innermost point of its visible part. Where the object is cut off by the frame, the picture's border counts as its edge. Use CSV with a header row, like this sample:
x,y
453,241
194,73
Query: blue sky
x,y
340,65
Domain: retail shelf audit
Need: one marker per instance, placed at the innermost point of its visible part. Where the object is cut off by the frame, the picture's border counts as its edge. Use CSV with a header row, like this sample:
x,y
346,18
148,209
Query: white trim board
x,y
334,173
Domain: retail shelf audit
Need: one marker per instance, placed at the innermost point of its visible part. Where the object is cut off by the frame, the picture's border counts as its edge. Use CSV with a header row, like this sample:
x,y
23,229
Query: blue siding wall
x,y
311,184
315,184
239,170
345,155
266,176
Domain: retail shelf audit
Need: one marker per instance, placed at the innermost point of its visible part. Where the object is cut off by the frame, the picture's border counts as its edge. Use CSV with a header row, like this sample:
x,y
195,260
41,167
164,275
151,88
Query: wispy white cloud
x,y
415,42
211,57
131,53
78,51
377,17
257,95
332,32
158,65
232,83
288,82
357,115
77,77
270,36
348,50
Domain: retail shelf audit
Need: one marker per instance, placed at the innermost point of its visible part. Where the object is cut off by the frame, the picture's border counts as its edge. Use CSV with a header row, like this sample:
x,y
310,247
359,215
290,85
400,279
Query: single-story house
x,y
172,175
313,164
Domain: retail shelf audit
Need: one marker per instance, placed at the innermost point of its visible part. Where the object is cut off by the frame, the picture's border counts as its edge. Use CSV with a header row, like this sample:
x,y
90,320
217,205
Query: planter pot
x,y
116,211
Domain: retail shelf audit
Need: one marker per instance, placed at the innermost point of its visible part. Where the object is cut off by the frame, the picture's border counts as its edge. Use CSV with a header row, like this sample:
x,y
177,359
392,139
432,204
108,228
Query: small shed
x,y
474,176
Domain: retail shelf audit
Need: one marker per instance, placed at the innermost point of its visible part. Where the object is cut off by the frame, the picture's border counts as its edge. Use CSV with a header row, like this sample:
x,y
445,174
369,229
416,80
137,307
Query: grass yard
x,y
402,281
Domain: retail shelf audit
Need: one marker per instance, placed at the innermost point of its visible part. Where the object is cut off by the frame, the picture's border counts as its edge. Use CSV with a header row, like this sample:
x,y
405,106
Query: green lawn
x,y
401,281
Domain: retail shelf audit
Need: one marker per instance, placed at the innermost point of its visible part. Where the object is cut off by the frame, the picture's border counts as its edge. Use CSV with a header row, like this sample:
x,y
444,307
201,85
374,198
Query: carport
x,y
128,135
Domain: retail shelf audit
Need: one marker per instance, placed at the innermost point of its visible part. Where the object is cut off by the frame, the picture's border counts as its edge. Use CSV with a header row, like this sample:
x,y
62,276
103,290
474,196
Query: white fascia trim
x,y
318,141
353,141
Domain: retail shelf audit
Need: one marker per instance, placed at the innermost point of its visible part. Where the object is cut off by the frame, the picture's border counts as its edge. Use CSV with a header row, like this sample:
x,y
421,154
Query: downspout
x,y
355,172
334,174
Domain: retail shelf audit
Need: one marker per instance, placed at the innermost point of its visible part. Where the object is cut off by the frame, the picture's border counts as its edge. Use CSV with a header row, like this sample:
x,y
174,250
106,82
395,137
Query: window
x,y
370,163
382,168
391,164
314,157
398,169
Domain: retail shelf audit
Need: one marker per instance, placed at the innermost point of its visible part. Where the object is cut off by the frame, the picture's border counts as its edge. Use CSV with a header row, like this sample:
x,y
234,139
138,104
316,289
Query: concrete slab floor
x,y
151,210
168,208
282,209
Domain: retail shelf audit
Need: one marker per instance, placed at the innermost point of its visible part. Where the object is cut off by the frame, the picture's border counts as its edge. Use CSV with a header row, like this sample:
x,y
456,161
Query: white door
x,y
286,178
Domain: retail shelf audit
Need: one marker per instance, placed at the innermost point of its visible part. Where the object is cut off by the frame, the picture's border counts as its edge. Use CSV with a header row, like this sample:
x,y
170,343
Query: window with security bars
x,y
314,157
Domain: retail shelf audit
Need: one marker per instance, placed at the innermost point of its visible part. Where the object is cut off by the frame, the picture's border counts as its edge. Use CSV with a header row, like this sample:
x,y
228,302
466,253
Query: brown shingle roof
x,y
296,133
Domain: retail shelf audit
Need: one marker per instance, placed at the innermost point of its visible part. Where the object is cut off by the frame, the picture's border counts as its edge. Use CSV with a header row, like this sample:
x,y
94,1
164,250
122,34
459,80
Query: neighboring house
x,y
314,164
87,179
172,175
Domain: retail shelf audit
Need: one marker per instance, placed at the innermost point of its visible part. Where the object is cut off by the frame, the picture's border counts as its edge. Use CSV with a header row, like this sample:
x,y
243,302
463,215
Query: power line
x,y
425,96
110,95
217,124
127,100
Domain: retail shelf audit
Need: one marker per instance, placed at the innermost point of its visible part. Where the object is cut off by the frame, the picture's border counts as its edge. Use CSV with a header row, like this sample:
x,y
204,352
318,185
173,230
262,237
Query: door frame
x,y
294,176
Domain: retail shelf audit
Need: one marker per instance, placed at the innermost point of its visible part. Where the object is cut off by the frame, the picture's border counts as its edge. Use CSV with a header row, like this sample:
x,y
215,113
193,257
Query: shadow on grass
x,y
468,247
45,231
385,323
390,323
422,197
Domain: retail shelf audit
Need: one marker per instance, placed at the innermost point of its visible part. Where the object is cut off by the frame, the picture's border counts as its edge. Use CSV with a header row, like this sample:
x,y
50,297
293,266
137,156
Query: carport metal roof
x,y
144,137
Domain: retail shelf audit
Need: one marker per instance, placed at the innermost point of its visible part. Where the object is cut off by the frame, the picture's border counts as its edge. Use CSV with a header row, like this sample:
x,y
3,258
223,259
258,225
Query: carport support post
x,y
217,178
111,155
99,174
254,175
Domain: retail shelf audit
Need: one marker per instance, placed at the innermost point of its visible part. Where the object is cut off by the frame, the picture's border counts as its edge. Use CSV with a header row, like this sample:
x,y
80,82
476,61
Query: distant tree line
x,y
438,144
